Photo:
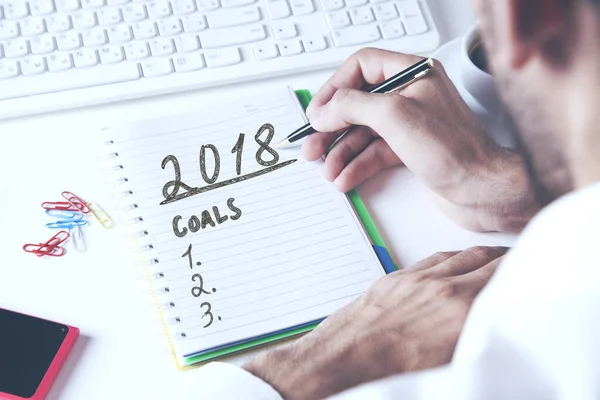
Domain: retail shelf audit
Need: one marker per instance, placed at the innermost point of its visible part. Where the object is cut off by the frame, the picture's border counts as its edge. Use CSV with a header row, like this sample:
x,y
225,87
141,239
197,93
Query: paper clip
x,y
50,247
66,224
36,249
59,205
65,215
76,201
100,215
77,238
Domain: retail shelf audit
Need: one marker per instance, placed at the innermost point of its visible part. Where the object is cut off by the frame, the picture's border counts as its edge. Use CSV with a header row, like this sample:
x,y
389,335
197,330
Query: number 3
x,y
208,312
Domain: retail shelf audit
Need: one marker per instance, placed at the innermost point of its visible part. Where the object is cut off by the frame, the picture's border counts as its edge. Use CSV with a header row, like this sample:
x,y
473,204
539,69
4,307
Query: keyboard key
x,y
356,3
278,9
414,24
188,62
222,57
182,7
354,35
186,43
84,19
152,67
136,51
119,34
85,58
68,41
16,48
32,26
94,37
109,16
265,51
15,9
284,31
290,48
158,9
8,69
302,7
41,7
194,23
233,17
73,79
330,5
92,3
169,27
338,19
207,5
162,47
134,13
314,43
409,7
110,54
32,65
8,29
58,23
392,29
412,17
144,30
236,3
116,2
42,44
361,16
66,5
385,12
378,1
228,37
59,62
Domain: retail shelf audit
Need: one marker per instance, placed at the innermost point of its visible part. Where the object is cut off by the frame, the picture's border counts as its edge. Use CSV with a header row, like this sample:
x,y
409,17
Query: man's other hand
x,y
408,320
425,126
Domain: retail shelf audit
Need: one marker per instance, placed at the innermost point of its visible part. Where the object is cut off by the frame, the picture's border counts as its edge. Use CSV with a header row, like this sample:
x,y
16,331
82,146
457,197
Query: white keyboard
x,y
57,54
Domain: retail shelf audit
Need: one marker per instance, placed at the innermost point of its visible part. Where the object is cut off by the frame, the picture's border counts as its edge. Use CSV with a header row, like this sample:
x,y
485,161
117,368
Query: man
x,y
534,331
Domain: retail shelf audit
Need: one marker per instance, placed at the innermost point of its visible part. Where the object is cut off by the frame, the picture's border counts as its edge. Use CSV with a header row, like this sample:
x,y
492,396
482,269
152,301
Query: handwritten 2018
x,y
171,189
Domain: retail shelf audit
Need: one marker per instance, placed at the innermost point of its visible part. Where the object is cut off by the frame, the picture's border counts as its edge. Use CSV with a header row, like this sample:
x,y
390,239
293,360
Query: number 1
x,y
188,253
239,146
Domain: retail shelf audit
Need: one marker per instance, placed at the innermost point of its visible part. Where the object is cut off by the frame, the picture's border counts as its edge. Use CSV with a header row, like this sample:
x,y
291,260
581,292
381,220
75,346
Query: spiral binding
x,y
127,208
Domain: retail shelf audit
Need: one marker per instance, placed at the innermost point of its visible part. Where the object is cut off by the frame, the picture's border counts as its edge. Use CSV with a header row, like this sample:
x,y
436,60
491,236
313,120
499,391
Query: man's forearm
x,y
499,197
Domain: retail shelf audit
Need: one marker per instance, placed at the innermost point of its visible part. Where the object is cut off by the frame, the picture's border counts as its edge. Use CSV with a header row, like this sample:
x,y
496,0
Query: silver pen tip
x,y
283,144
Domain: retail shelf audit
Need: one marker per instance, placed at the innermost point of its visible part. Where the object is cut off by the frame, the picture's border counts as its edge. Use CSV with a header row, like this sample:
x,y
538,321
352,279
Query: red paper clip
x,y
59,205
76,201
40,250
50,248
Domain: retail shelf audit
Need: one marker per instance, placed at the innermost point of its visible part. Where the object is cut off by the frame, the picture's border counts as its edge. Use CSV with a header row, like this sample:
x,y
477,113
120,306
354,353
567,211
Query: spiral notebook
x,y
243,244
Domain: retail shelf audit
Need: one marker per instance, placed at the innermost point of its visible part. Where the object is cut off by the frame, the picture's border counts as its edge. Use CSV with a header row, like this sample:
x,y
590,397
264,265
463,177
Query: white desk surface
x,y
121,353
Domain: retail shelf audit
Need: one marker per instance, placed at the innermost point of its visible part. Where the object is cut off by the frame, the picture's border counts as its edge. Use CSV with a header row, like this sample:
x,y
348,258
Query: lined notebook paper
x,y
257,244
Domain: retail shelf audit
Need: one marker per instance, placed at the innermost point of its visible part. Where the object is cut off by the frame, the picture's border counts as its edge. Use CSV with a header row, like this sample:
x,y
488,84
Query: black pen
x,y
396,82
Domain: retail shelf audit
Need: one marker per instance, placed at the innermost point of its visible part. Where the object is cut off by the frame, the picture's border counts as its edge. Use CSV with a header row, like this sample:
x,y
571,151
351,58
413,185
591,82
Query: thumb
x,y
354,107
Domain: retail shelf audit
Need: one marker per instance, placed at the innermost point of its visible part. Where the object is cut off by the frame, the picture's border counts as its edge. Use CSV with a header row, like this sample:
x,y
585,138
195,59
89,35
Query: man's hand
x,y
407,321
425,126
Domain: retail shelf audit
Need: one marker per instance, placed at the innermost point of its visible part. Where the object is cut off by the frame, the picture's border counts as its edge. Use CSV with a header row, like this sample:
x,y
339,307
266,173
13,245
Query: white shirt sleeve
x,y
533,333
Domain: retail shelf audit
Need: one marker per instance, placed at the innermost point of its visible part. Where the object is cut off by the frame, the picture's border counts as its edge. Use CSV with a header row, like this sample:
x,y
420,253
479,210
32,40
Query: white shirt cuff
x,y
219,380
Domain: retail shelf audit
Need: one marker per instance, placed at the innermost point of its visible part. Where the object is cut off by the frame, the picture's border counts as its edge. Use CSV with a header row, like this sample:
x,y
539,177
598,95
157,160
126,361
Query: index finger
x,y
366,66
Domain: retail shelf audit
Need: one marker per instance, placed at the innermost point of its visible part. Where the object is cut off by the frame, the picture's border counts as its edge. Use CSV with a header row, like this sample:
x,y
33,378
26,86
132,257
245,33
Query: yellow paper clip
x,y
100,215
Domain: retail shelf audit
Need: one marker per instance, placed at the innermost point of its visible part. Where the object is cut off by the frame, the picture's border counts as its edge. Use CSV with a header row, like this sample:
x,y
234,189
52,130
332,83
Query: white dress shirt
x,y
533,333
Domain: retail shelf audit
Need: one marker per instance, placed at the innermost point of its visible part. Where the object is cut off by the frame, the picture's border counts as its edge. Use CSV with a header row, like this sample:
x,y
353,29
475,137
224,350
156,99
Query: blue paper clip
x,y
65,224
65,215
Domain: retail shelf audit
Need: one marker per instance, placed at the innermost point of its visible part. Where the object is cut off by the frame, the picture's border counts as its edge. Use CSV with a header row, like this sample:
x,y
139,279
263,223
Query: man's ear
x,y
531,25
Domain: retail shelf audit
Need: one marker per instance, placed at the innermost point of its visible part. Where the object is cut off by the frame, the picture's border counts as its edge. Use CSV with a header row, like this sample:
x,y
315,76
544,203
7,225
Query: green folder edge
x,y
305,97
